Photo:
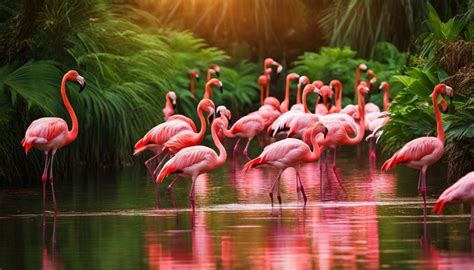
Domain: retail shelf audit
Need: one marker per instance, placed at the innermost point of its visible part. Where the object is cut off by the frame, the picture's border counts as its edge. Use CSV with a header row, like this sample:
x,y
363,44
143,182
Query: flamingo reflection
x,y
50,259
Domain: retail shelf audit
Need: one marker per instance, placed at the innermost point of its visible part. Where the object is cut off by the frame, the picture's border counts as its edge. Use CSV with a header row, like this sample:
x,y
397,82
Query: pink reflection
x,y
50,259
202,189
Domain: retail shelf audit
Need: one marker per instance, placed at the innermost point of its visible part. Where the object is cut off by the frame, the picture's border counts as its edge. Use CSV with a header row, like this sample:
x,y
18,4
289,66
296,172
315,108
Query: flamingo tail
x,y
253,163
439,206
391,163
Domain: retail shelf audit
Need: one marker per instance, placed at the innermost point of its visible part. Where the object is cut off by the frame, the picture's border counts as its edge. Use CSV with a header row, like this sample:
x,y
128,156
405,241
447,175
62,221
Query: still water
x,y
109,220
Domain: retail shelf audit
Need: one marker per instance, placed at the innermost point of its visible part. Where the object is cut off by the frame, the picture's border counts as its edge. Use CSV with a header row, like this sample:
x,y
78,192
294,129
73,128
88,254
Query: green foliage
x,y
340,63
128,69
441,33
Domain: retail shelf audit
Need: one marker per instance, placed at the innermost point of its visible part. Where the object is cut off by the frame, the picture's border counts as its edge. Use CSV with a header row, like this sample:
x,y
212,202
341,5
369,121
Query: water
x,y
108,220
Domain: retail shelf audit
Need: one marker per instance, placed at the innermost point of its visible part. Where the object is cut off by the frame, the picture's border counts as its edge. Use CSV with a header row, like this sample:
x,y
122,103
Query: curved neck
x,y
72,134
287,91
361,131
222,152
227,132
168,103
268,86
191,85
202,132
386,98
208,92
439,123
338,96
305,106
316,151
357,79
298,94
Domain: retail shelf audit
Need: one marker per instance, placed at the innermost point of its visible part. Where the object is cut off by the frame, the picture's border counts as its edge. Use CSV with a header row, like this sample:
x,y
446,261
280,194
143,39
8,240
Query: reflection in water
x,y
376,225
50,259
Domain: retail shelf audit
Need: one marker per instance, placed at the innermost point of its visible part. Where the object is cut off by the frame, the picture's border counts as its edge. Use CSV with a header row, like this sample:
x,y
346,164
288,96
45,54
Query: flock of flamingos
x,y
307,135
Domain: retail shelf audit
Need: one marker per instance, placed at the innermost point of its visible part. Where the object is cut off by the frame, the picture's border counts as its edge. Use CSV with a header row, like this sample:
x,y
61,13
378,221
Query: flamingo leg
x,y
273,185
301,185
278,190
321,161
148,167
471,225
170,190
51,181
335,172
372,149
297,184
191,193
423,189
236,149
246,153
159,166
44,177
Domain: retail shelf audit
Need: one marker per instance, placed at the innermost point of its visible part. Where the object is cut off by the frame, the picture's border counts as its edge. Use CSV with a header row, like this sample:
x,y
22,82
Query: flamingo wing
x,y
253,122
414,150
181,140
194,159
185,119
43,131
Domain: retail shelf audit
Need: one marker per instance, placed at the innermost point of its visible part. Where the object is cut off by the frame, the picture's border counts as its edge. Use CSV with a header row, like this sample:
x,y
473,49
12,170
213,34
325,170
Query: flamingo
x,y
193,76
361,67
49,134
283,121
225,115
460,192
375,121
327,95
170,105
338,130
194,161
214,69
208,89
188,138
423,152
248,127
302,82
287,153
267,63
336,86
264,83
286,102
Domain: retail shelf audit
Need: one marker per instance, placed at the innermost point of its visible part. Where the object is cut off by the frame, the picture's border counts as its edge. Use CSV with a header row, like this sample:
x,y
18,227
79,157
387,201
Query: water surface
x,y
109,220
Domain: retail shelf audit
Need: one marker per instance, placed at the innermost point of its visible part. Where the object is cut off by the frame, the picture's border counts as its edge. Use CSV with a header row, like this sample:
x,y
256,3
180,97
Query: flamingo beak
x,y
81,82
221,89
217,73
325,132
197,78
174,104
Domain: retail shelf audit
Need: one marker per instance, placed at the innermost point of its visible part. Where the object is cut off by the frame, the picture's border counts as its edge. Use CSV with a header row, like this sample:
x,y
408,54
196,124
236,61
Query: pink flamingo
x,y
248,127
193,76
361,67
49,134
214,69
336,86
460,192
225,115
375,121
338,133
264,83
285,105
194,161
323,107
287,153
267,63
208,89
423,152
284,121
303,81
170,105
188,138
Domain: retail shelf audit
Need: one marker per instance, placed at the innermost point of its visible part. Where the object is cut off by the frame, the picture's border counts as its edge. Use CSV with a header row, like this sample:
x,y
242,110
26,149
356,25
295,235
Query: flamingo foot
x,y
271,197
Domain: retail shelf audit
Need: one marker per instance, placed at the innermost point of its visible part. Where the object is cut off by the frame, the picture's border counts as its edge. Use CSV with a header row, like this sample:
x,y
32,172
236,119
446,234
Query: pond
x,y
109,220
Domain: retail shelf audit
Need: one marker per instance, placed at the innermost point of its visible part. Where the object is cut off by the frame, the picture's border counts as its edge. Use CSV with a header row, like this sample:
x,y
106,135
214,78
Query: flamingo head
x,y
370,73
216,83
318,83
363,89
318,127
372,84
362,67
262,80
223,111
194,74
206,105
216,69
303,81
172,96
334,84
292,76
444,89
383,85
74,76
